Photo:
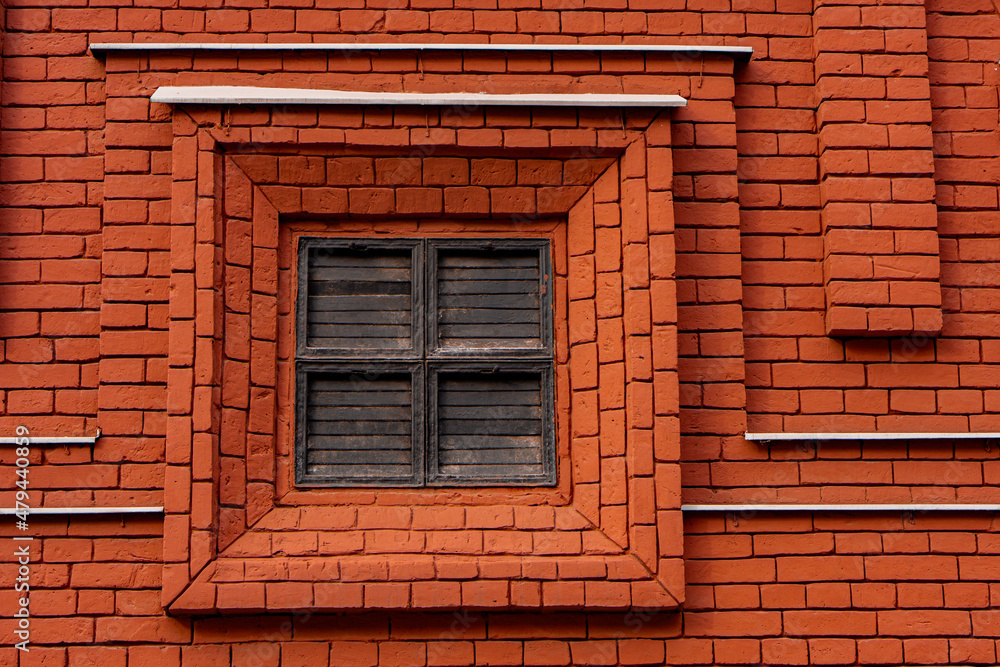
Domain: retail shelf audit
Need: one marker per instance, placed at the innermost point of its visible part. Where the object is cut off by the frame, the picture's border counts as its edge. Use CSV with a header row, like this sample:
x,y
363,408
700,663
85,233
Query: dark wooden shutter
x,y
489,298
359,425
424,361
491,425
360,298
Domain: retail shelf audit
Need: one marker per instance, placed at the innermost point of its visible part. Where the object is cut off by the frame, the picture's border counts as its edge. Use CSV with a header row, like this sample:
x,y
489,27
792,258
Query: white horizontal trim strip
x,y
875,507
870,436
60,511
254,95
52,440
733,51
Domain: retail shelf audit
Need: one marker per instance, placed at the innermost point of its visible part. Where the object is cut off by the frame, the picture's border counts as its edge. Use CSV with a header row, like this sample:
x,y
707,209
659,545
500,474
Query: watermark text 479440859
x,y
22,543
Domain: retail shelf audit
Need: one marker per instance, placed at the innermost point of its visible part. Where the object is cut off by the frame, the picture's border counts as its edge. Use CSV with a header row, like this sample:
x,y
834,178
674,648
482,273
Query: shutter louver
x,y
490,425
360,298
489,298
359,425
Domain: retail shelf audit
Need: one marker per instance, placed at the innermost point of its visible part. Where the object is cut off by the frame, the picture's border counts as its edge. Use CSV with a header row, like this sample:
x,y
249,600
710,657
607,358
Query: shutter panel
x,y
491,426
360,299
359,425
489,298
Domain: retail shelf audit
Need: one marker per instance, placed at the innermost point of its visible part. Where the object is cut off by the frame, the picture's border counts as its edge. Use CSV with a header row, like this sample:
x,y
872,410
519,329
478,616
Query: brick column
x,y
881,264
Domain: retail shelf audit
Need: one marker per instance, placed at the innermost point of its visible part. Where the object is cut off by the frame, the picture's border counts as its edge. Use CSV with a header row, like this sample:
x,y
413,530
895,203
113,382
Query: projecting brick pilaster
x,y
881,264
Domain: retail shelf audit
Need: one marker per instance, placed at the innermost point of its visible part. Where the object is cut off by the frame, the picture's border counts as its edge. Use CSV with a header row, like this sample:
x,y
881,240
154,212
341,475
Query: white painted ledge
x,y
255,95
67,511
52,440
874,507
800,437
739,52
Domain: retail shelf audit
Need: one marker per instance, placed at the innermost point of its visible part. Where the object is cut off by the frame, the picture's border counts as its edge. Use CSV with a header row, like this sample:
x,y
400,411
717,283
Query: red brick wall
x,y
842,182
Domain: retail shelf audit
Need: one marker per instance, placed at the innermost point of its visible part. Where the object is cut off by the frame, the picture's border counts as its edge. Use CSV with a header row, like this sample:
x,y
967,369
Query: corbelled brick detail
x,y
881,266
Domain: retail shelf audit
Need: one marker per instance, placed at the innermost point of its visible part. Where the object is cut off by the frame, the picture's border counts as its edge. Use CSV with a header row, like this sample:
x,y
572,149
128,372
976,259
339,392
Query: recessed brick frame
x,y
244,539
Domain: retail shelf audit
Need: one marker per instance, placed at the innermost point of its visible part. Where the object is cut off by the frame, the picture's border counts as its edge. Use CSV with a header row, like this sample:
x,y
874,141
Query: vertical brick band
x,y
881,264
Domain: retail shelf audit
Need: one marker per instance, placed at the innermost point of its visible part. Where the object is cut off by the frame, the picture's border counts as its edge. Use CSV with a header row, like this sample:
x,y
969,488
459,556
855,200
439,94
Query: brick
x,y
836,623
546,652
925,622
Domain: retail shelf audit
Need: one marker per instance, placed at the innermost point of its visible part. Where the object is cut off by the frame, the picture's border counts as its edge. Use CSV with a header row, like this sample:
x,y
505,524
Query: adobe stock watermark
x,y
22,543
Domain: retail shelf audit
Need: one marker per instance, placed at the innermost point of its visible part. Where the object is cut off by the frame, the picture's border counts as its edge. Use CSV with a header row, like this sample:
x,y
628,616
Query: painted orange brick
x,y
751,346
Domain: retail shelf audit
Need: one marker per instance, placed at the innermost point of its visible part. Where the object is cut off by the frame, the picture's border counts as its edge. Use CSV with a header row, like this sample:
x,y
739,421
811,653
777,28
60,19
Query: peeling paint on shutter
x,y
360,298
489,298
359,425
491,425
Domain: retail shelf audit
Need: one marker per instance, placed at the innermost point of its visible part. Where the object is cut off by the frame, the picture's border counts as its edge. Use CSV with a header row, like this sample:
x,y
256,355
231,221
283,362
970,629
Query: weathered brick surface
x,y
844,182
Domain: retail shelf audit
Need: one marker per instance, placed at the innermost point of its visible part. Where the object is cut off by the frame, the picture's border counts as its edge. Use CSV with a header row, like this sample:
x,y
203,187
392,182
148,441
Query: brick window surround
x,y
603,538
246,181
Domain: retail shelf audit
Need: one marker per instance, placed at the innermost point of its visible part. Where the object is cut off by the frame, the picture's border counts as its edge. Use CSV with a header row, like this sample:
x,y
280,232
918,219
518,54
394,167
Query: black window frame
x,y
426,360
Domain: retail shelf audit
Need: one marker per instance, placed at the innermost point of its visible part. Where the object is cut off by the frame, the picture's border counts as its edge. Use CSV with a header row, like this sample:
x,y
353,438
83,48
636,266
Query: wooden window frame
x,y
425,360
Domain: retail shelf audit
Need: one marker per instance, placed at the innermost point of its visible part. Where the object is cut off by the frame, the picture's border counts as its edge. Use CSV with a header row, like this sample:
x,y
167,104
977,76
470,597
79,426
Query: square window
x,y
424,362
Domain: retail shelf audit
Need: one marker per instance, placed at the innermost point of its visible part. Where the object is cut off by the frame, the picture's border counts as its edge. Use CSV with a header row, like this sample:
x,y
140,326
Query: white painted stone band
x,y
52,440
60,511
255,95
800,437
874,507
743,52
